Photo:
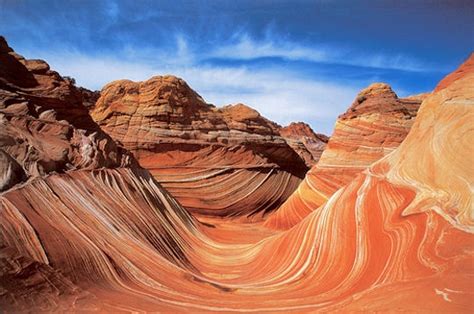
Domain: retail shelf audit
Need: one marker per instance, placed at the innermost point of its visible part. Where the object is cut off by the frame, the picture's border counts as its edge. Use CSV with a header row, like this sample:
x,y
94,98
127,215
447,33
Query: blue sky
x,y
291,60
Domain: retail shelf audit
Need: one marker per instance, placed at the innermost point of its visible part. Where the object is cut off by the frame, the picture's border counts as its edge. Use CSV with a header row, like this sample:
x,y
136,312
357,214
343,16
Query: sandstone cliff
x,y
373,126
304,141
44,126
226,161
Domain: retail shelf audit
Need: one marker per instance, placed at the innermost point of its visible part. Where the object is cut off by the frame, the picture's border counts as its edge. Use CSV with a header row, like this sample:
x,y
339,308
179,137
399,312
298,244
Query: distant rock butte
x,y
304,141
373,126
44,126
203,155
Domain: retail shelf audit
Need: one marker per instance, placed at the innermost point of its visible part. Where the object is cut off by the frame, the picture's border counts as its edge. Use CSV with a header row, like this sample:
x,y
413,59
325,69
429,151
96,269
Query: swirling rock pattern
x,y
304,141
374,125
399,236
202,155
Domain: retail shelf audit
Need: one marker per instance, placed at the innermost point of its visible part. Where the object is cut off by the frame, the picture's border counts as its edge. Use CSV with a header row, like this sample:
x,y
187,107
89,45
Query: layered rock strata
x,y
373,126
307,144
399,236
225,162
44,126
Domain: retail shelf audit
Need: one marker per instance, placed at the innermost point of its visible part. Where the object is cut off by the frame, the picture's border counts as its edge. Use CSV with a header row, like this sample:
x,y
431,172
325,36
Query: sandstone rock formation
x,y
304,141
226,161
44,126
373,126
399,236
11,172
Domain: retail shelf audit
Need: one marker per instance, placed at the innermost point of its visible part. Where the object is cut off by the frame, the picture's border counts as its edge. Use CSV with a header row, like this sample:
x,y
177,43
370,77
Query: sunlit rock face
x,y
307,144
44,126
226,162
373,126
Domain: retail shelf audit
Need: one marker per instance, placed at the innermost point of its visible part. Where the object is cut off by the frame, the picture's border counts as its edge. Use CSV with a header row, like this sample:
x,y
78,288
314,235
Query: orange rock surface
x,y
304,141
397,237
374,125
225,162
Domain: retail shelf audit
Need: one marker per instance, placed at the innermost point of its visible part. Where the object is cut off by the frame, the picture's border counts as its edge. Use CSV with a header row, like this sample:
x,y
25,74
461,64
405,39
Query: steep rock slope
x,y
219,162
44,126
304,141
373,126
62,181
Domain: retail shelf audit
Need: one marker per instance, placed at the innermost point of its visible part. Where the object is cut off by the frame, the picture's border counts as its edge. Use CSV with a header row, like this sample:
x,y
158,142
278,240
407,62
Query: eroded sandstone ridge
x,y
304,141
44,126
398,237
62,179
226,161
373,126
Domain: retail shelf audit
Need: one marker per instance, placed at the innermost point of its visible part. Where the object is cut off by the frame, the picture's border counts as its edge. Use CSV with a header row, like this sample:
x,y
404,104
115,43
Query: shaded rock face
x,y
11,172
44,126
373,126
203,155
304,141
28,285
89,98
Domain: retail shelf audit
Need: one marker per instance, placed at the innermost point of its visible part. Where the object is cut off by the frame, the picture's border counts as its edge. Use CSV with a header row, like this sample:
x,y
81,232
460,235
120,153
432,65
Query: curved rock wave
x,y
397,236
374,126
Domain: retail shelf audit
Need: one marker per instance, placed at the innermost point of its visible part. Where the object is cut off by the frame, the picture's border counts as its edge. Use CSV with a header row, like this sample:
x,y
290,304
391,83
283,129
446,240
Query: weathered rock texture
x,y
373,126
44,126
307,144
220,162
398,237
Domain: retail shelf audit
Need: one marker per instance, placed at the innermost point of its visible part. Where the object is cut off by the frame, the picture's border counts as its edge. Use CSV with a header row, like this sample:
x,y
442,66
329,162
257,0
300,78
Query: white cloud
x,y
246,48
281,96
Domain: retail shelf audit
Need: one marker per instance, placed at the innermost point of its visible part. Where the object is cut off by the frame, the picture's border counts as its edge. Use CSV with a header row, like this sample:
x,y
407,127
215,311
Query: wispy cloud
x,y
280,95
278,92
244,47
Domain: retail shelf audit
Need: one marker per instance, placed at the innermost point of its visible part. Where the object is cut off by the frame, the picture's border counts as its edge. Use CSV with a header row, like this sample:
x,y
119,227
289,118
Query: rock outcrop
x,y
373,126
223,162
398,236
307,144
44,126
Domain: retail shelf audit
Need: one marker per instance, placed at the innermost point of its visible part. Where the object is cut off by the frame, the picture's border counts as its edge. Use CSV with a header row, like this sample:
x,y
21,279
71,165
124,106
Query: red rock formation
x,y
374,125
27,285
44,125
399,236
304,141
220,162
